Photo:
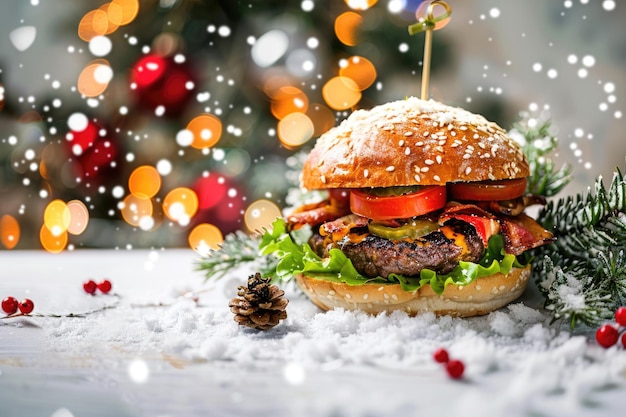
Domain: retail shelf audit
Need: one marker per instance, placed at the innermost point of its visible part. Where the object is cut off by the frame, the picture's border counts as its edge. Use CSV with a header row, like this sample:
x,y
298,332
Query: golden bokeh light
x,y
57,217
206,130
287,100
180,205
135,209
129,10
260,215
347,26
79,217
360,4
94,78
94,23
341,93
144,181
322,117
9,231
360,70
107,18
205,237
295,130
52,242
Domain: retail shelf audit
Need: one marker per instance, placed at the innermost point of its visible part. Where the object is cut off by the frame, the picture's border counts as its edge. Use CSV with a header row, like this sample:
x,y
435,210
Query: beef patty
x,y
377,256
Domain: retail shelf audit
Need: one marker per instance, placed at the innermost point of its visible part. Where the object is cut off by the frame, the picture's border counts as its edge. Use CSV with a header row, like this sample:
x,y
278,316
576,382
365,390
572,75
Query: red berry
x,y
9,305
455,369
624,340
607,335
441,356
104,286
620,316
90,286
26,306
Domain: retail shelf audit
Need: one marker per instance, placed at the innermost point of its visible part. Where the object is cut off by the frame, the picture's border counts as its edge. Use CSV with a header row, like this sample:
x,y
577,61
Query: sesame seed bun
x,y
480,297
412,142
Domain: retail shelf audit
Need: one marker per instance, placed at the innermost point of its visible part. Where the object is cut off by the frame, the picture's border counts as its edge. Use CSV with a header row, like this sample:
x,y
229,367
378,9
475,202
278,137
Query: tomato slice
x,y
487,190
403,206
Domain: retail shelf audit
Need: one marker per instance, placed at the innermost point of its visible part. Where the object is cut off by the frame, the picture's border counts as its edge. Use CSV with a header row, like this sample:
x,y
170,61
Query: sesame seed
x,y
468,170
323,179
417,178
436,178
366,173
463,127
429,162
401,143
467,156
420,143
426,133
453,133
390,168
424,169
409,133
407,151
439,159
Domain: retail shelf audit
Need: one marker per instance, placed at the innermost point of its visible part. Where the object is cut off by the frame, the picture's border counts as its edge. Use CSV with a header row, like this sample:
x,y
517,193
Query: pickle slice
x,y
411,230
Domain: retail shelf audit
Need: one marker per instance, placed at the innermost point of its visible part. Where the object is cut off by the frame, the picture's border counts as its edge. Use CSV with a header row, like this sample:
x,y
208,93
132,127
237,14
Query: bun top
x,y
412,142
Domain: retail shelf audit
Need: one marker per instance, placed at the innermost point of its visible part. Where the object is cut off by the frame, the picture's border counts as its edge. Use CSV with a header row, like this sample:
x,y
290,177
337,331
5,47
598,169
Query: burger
x,y
425,211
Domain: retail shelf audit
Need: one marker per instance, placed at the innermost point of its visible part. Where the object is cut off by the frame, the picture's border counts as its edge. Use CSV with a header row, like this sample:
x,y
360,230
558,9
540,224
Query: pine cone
x,y
260,305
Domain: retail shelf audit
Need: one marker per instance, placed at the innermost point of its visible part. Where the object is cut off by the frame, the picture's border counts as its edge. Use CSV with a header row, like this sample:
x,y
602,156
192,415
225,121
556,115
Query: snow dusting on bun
x,y
412,142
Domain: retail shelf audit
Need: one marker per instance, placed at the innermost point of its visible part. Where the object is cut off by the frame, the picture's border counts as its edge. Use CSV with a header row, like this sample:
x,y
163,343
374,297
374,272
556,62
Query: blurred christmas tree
x,y
186,113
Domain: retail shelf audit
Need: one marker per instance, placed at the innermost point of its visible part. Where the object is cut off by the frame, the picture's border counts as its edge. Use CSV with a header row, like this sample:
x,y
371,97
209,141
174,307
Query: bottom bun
x,y
482,296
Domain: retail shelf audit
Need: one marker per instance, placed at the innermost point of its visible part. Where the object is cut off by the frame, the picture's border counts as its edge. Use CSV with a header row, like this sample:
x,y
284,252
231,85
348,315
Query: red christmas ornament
x,y
220,202
95,151
162,82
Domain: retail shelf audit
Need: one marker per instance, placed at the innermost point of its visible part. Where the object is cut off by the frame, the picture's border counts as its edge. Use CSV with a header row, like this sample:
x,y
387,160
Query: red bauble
x,y
162,81
220,202
441,356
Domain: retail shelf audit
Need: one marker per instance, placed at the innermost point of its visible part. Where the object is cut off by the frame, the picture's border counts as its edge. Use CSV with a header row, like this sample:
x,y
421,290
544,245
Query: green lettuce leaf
x,y
298,258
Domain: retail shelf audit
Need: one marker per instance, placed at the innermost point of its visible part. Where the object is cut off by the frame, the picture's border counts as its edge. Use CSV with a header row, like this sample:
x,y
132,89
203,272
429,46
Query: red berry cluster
x,y
608,334
454,367
90,286
10,305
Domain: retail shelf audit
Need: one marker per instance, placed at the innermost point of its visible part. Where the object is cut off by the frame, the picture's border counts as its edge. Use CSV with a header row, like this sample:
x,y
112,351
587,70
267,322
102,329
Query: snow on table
x,y
151,350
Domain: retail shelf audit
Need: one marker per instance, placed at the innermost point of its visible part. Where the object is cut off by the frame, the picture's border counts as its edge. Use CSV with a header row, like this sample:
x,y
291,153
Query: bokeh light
x,y
52,242
260,215
322,117
79,217
360,70
57,217
206,130
9,231
144,181
295,130
107,18
360,4
180,205
94,78
136,208
287,100
347,27
341,93
205,237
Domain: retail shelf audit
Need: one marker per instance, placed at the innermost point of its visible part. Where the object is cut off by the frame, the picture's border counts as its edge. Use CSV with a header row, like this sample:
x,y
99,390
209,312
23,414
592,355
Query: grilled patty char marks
x,y
376,256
